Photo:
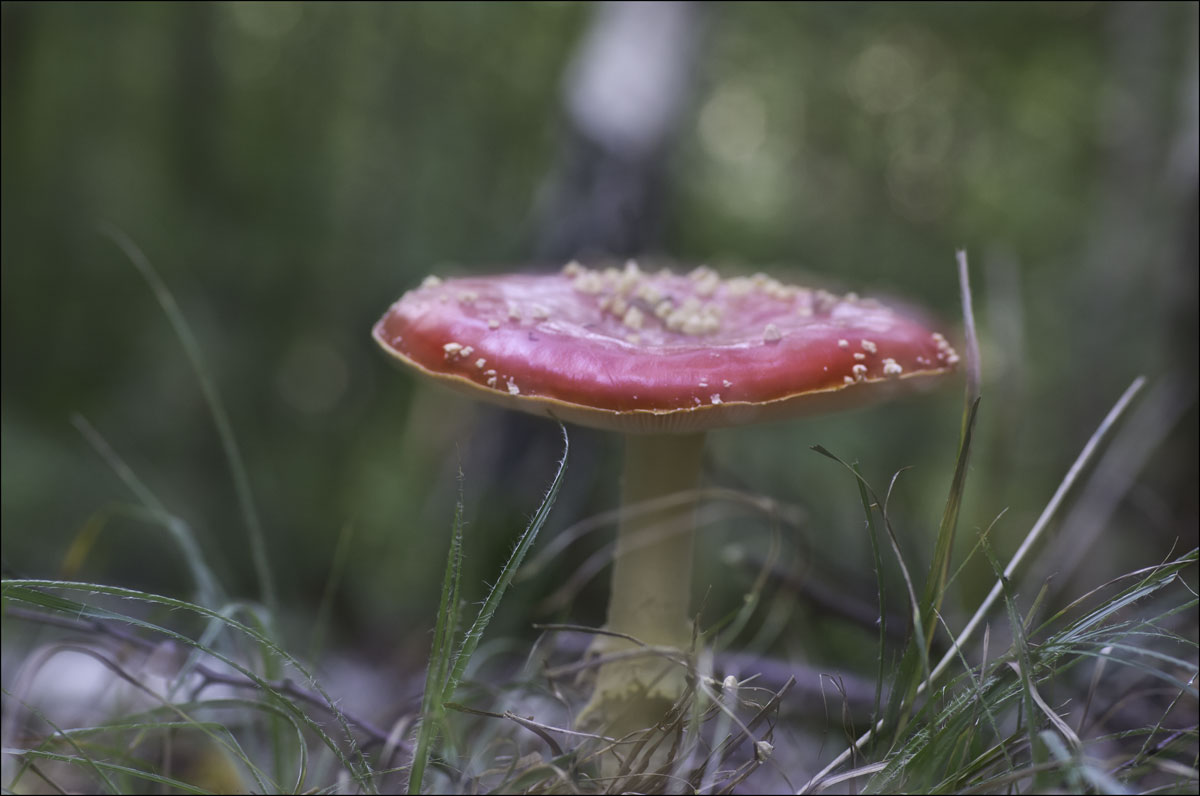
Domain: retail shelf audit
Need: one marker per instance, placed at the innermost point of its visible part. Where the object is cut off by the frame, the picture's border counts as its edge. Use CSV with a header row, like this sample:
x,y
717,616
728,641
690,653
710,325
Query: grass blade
x,y
1043,520
432,704
208,589
488,609
1024,669
877,562
916,654
237,467
337,569
114,768
446,670
914,667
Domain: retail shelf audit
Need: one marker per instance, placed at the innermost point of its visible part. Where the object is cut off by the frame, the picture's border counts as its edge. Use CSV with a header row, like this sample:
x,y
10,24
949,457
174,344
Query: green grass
x,y
1019,702
446,667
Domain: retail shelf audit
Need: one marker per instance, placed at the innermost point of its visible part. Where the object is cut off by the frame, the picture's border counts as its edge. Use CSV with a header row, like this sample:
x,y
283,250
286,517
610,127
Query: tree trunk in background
x,y
625,93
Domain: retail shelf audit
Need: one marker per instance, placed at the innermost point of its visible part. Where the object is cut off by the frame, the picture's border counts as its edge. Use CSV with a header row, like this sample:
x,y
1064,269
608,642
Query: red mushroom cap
x,y
640,352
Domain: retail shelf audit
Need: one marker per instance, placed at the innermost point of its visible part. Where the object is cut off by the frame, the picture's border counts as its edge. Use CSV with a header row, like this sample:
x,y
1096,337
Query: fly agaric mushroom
x,y
661,358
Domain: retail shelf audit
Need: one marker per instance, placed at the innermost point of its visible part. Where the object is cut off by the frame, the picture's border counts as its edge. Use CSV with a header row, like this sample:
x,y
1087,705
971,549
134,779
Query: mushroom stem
x,y
651,583
652,571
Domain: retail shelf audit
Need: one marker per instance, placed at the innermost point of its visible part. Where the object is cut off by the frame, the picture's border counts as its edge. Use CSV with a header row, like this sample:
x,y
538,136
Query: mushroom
x,y
661,358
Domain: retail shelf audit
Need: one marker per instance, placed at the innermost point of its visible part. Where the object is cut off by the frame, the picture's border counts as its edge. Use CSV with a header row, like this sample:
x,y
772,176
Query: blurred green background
x,y
291,169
